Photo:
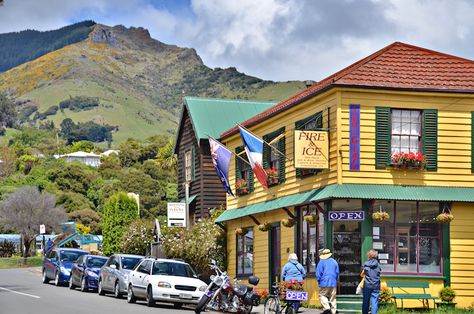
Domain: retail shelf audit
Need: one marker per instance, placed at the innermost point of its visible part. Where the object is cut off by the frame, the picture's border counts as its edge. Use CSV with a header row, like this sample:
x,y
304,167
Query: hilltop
x,y
138,81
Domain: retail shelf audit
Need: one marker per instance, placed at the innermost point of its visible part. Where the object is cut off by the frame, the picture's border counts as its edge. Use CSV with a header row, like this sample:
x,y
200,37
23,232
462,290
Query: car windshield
x,y
173,269
70,256
130,262
95,262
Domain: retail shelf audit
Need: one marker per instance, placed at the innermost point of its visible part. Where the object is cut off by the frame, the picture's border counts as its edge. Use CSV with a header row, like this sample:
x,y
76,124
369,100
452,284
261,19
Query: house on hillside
x,y
391,134
201,117
89,159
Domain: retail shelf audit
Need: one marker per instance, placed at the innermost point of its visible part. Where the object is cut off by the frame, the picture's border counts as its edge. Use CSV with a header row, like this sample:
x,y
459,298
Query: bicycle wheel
x,y
272,305
289,309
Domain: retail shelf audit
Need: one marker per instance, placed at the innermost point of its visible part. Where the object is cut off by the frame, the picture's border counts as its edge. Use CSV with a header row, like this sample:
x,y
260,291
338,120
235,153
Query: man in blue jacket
x,y
327,274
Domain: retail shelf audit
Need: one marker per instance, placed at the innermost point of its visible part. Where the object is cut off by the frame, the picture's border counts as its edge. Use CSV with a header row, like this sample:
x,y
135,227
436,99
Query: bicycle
x,y
273,304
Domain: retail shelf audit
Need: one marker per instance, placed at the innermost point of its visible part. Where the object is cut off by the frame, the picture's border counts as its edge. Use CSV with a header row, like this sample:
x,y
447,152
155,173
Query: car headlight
x,y
64,270
91,274
163,284
202,288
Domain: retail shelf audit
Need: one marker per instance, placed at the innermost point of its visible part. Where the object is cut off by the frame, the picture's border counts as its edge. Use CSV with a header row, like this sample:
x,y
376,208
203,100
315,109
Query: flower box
x,y
272,176
408,161
241,187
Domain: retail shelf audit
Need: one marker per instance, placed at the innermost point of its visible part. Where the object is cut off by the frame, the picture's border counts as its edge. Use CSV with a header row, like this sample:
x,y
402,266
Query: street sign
x,y
177,215
358,215
42,229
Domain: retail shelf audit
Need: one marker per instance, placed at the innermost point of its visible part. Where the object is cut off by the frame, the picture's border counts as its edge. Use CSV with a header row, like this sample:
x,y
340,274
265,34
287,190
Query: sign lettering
x,y
312,149
354,137
346,215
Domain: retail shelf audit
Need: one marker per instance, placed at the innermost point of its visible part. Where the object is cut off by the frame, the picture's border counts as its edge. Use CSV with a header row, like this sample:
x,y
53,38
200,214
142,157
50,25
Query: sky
x,y
278,40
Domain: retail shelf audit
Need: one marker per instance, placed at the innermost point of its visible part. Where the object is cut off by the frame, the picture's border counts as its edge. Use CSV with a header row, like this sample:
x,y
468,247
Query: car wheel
x,y
130,296
71,285
100,289
56,279
178,305
117,293
45,278
149,297
84,285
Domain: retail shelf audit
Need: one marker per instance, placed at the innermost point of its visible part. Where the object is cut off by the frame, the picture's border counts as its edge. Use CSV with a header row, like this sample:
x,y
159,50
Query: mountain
x,y
138,82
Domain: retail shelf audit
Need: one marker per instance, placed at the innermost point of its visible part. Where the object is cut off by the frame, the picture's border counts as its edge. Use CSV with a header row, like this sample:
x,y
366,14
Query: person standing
x,y
293,271
371,289
49,245
327,274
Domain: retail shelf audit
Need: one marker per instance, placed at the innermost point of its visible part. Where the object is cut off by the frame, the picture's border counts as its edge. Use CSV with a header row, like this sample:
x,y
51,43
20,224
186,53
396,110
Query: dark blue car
x,y
57,264
85,272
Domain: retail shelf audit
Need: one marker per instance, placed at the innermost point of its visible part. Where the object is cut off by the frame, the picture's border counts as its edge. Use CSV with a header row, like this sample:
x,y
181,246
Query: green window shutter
x,y
193,164
472,142
282,160
430,138
238,163
266,152
251,182
300,125
383,130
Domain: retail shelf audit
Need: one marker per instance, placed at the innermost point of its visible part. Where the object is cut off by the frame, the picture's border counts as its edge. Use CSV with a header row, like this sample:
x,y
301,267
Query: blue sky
x,y
271,39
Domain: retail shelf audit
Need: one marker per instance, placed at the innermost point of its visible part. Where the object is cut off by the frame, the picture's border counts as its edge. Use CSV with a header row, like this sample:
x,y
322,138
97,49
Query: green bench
x,y
402,285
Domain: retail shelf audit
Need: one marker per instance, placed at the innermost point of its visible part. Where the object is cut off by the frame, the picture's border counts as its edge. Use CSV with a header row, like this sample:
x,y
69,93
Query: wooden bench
x,y
404,294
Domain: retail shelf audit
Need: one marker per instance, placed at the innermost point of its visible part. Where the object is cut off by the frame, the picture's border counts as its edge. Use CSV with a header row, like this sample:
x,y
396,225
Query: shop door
x,y
274,254
347,246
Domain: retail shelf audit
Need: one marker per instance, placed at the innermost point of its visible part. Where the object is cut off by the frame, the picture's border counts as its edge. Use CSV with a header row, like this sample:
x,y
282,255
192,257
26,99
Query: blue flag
x,y
221,160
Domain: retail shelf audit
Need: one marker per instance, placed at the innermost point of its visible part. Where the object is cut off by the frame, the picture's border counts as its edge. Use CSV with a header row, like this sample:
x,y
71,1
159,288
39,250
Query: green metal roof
x,y
190,199
212,116
357,191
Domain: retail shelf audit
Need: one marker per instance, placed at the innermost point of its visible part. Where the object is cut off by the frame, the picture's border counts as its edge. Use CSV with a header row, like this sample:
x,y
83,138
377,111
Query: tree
x,y
26,209
118,212
138,237
86,217
7,111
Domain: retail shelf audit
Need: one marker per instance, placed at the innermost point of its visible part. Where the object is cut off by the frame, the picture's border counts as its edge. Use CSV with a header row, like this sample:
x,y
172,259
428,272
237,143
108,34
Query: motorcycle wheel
x,y
272,305
289,309
246,309
201,306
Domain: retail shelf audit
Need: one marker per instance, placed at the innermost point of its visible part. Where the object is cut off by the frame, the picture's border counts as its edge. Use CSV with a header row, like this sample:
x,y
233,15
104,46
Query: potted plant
x,y
288,222
447,295
444,218
239,231
264,226
408,161
272,176
241,187
311,219
380,215
385,297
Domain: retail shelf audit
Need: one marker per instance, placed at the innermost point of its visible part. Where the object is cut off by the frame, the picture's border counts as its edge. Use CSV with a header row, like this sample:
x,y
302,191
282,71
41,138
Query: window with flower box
x,y
410,241
311,123
311,236
244,256
243,173
273,161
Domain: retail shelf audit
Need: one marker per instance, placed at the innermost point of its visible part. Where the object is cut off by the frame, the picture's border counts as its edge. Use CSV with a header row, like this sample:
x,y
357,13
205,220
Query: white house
x,y
89,159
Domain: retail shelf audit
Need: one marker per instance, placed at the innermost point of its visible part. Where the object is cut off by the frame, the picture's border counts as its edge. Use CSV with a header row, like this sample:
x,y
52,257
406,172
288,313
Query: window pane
x,y
415,128
405,143
414,144
429,255
383,235
415,116
386,252
304,242
312,248
396,127
395,141
248,258
321,241
396,115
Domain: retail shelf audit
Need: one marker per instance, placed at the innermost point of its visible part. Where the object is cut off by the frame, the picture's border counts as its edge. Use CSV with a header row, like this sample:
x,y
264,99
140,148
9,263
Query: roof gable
x,y
397,66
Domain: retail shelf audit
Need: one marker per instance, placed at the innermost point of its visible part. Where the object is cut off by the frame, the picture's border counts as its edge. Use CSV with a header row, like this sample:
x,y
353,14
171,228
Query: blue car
x,y
85,272
57,264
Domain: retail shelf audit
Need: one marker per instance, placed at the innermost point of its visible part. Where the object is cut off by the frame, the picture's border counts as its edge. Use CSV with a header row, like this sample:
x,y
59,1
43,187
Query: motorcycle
x,y
223,295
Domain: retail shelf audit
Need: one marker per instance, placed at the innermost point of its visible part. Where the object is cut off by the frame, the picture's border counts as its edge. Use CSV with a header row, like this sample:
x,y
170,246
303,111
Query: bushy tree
x,y
87,217
72,201
118,212
74,177
138,237
26,209
7,111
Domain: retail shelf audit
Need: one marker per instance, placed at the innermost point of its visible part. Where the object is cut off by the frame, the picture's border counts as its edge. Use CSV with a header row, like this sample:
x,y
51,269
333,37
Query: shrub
x,y
385,295
138,237
7,248
447,294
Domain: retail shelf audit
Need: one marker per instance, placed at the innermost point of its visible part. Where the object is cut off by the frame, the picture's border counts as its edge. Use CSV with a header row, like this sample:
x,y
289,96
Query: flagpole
x,y
236,155
272,147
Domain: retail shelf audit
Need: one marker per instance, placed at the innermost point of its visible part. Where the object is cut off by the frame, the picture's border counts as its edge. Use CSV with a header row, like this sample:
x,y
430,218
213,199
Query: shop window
x,y
410,242
311,237
245,253
406,131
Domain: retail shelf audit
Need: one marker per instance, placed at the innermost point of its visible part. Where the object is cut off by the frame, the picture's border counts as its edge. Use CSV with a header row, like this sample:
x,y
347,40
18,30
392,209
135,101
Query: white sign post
x,y
177,215
42,229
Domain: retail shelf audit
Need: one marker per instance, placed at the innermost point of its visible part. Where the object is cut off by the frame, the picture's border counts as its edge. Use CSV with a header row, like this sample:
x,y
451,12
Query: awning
x,y
190,199
356,191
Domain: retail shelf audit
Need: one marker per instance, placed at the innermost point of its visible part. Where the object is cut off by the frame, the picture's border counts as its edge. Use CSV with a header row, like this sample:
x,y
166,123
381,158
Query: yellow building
x,y
400,99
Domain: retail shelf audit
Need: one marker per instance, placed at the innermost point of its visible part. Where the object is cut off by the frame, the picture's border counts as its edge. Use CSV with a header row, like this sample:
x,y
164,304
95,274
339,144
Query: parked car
x,y
164,280
113,276
85,272
57,264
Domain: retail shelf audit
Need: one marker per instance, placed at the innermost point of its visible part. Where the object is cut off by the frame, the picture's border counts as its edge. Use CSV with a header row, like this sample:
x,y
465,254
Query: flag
x,y
254,148
221,160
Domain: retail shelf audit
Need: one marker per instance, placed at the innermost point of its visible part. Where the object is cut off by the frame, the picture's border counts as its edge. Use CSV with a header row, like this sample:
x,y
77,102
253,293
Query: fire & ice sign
x,y
354,137
358,215
311,149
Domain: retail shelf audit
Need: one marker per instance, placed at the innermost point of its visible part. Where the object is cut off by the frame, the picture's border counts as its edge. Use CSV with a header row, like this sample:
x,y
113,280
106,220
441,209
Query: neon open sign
x,y
346,216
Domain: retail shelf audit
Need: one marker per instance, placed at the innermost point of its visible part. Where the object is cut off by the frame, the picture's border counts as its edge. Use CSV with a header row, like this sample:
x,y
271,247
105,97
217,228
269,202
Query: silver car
x,y
113,276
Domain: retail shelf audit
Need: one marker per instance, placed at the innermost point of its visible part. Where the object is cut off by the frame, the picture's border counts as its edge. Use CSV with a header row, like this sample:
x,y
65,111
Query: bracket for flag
x,y
236,155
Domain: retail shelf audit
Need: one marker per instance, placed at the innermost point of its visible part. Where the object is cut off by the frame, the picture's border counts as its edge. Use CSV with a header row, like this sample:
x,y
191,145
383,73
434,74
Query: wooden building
x,y
400,99
201,117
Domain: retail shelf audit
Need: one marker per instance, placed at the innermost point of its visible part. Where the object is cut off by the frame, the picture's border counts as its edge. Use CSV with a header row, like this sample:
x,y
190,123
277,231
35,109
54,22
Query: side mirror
x,y
113,266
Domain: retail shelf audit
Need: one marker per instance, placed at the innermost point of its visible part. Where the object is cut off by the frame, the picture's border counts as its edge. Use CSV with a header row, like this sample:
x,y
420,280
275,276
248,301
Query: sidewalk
x,y
302,310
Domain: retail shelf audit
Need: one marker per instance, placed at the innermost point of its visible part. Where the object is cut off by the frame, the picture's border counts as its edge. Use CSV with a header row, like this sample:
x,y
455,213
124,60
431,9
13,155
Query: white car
x,y
164,280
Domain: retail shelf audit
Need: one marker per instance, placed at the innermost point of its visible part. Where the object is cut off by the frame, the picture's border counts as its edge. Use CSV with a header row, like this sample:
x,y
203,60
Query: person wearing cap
x,y
327,274
293,271
371,289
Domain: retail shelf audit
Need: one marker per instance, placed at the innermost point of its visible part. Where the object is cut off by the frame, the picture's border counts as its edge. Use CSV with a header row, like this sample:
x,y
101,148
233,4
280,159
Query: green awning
x,y
356,191
190,200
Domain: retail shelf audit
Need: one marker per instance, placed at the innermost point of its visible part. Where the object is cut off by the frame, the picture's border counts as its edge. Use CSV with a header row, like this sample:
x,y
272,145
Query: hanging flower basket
x,y
380,215
239,231
288,222
408,161
264,227
444,218
311,219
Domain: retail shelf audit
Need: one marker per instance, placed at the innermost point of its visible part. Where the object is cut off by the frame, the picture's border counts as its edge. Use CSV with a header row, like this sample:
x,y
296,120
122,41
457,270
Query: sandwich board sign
x,y
177,215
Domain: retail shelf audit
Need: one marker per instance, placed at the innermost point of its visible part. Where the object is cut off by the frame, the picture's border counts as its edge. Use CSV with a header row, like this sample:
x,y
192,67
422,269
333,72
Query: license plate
x,y
296,295
185,296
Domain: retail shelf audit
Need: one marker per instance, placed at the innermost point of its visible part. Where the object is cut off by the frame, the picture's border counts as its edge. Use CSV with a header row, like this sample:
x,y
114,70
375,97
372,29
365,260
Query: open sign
x,y
293,295
346,216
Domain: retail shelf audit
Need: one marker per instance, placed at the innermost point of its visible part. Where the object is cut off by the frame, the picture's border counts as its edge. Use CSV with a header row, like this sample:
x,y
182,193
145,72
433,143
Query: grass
x,y
18,262
394,310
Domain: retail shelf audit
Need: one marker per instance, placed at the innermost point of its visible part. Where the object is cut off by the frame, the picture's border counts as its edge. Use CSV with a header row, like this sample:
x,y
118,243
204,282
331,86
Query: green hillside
x,y
139,82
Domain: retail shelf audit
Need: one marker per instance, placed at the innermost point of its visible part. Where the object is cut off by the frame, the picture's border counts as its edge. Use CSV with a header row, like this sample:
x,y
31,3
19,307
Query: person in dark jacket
x,y
371,289
327,273
293,271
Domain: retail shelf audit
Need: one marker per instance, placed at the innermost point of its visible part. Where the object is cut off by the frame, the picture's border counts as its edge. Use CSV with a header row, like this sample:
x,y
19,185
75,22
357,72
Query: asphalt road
x,y
22,292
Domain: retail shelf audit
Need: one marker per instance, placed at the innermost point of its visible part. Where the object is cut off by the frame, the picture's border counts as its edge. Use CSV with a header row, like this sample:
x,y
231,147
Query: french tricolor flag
x,y
254,149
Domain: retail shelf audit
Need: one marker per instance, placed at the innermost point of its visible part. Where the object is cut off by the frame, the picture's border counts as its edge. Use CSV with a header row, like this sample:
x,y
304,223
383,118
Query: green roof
x,y
212,116
356,191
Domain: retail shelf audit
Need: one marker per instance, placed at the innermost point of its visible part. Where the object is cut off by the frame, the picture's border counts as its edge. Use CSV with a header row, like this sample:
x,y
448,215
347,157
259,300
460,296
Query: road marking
x,y
25,294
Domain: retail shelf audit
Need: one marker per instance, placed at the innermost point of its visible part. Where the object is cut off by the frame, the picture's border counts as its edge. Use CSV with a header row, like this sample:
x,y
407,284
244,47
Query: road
x,y
22,292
